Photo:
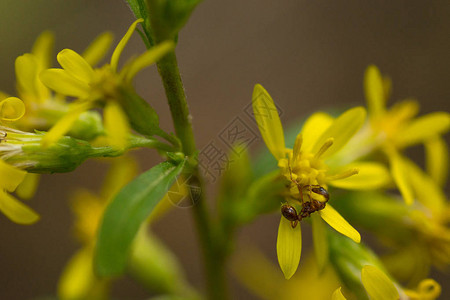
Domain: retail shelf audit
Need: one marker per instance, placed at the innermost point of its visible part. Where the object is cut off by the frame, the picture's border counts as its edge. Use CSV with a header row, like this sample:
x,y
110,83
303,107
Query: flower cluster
x,y
56,124
366,158
342,173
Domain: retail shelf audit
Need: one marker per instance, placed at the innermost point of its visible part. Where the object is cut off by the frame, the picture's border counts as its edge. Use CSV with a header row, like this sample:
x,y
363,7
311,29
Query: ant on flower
x,y
313,205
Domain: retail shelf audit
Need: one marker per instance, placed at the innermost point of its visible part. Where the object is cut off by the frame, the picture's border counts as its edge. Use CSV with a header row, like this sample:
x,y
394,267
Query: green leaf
x,y
143,118
125,214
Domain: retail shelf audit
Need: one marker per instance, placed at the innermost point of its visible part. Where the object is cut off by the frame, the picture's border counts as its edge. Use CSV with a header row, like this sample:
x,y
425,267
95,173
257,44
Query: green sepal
x,y
63,156
125,214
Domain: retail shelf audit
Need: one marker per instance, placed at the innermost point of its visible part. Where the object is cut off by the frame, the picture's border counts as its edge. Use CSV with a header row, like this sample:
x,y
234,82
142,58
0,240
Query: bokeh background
x,y
308,54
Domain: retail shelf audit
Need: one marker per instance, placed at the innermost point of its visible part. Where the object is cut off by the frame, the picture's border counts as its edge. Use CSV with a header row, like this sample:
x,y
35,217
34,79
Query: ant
x,y
313,205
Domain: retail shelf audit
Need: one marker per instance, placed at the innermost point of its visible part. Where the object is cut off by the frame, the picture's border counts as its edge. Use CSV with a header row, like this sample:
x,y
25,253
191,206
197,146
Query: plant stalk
x,y
214,265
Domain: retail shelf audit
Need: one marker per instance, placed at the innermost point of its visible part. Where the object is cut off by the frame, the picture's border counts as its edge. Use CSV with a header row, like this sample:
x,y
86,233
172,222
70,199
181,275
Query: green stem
x,y
215,269
173,85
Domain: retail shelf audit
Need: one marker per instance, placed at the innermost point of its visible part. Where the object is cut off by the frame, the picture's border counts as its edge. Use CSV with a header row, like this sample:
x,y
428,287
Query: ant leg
x,y
294,223
300,191
296,183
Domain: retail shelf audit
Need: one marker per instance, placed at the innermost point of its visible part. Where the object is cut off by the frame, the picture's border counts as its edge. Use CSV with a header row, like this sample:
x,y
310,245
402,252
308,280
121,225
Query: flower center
x,y
305,169
104,84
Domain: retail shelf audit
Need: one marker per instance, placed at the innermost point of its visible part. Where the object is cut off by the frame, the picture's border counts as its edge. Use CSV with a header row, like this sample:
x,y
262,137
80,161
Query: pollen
x,y
305,169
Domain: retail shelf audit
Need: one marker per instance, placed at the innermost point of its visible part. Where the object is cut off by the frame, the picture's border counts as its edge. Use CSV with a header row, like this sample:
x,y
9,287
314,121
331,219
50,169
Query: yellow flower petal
x,y
424,128
400,176
374,90
64,124
62,82
377,284
401,112
11,109
289,247
337,295
78,277
146,59
10,176
98,48
28,186
335,220
313,128
119,48
268,120
436,151
320,241
75,65
16,211
425,188
341,130
28,83
370,176
43,48
116,125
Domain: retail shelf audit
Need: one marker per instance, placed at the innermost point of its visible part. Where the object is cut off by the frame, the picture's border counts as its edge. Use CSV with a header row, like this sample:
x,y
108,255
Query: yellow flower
x,y
12,109
43,108
99,86
428,219
380,287
309,168
396,129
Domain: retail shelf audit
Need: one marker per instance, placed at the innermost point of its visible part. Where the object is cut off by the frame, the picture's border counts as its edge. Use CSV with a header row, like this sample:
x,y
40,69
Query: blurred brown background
x,y
308,54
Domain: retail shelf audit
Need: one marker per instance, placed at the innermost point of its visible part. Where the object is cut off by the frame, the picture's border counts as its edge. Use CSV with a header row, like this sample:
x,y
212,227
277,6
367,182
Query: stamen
x,y
297,146
324,148
342,175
